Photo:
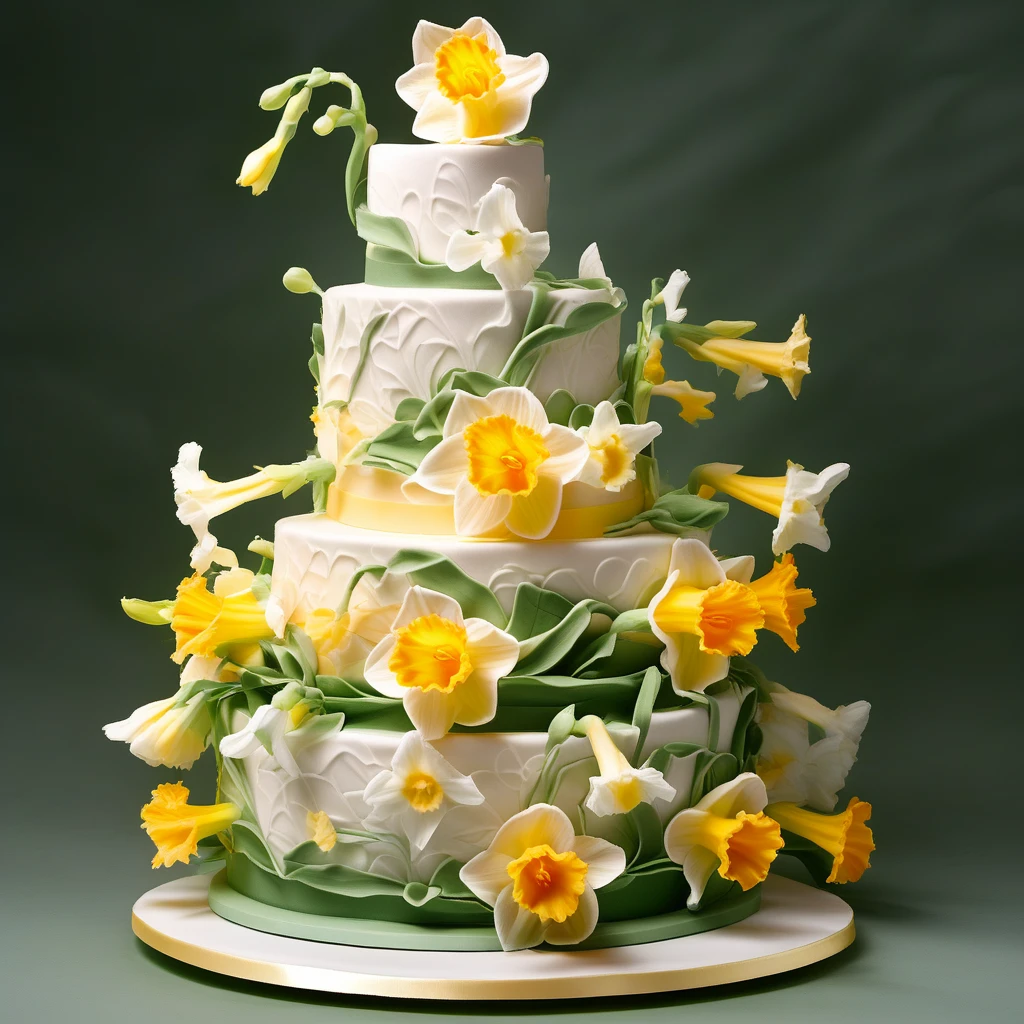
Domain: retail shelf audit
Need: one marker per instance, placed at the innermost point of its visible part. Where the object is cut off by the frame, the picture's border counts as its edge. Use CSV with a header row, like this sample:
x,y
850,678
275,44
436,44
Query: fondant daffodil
x,y
784,603
500,242
619,787
845,836
540,878
420,788
693,403
794,769
176,826
592,269
702,616
443,667
613,448
322,830
726,831
797,499
464,87
203,620
166,732
751,360
260,165
504,463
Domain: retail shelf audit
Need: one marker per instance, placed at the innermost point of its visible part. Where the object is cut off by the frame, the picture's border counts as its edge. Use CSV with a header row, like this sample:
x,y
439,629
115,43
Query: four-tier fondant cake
x,y
496,690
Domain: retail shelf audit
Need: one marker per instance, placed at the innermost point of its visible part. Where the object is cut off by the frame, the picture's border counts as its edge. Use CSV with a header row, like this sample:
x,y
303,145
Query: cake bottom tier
x,y
630,915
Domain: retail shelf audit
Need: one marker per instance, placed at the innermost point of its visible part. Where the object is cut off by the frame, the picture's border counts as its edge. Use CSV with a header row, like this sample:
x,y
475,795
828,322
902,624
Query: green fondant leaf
x,y
309,864
616,654
417,893
741,732
543,652
650,834
392,232
559,406
582,416
817,861
561,728
730,328
409,408
399,449
446,879
642,711
677,512
582,319
435,572
247,840
430,421
535,611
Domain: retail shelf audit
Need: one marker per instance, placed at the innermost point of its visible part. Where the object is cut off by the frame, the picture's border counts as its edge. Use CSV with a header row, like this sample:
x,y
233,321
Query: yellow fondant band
x,y
391,512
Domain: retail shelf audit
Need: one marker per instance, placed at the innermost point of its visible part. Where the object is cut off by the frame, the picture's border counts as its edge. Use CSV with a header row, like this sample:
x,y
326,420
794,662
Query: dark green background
x,y
857,162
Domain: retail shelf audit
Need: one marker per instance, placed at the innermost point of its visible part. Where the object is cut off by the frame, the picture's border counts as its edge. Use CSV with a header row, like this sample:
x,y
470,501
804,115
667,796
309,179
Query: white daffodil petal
x,y
480,26
591,264
438,120
420,602
492,651
525,74
476,513
486,875
568,452
533,515
497,215
578,926
740,569
698,866
537,825
696,564
744,793
605,861
427,37
465,250
377,673
474,701
416,84
520,404
430,711
517,927
468,409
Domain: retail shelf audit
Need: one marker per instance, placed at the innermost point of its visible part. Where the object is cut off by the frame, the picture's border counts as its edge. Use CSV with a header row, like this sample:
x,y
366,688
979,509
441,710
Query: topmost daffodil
x,y
465,87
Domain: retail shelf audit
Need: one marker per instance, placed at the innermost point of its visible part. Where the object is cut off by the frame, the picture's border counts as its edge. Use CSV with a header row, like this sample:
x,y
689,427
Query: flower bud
x,y
299,281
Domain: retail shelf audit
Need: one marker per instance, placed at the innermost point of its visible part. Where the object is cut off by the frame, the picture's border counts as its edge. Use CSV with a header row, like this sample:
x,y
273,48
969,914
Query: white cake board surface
x,y
797,925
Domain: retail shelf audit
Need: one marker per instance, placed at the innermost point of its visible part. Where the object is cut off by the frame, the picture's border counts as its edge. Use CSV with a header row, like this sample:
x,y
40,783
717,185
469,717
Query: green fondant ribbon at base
x,y
249,896
392,268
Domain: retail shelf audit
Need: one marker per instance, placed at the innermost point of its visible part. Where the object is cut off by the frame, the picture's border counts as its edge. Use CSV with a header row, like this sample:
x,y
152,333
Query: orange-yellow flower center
x,y
548,884
725,617
615,460
431,653
745,845
423,791
504,455
465,66
783,603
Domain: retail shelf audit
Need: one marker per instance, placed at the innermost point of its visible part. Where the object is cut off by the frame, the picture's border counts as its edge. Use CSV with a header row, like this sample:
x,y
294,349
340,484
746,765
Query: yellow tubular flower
x,y
782,602
750,360
202,620
693,403
845,836
654,371
176,826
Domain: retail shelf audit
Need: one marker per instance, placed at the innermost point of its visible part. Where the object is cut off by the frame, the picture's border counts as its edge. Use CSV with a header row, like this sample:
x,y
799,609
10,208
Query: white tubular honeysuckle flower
x,y
500,243
613,448
672,293
465,87
726,831
207,551
620,787
797,499
540,878
797,771
504,463
703,615
420,788
269,725
443,667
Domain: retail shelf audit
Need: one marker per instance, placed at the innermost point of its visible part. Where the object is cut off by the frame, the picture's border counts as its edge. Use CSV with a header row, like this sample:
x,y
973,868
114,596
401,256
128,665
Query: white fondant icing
x,y
315,557
335,770
428,331
435,189
585,364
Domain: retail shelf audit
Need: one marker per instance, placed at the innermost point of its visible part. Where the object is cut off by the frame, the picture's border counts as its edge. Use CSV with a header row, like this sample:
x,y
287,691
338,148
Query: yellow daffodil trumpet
x,y
845,836
783,603
176,826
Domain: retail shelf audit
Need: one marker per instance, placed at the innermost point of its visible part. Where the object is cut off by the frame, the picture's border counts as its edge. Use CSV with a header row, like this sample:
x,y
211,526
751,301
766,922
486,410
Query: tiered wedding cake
x,y
495,690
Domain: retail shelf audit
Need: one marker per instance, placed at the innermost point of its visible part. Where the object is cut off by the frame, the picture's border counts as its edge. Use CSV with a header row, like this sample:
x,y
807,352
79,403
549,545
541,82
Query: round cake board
x,y
797,925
